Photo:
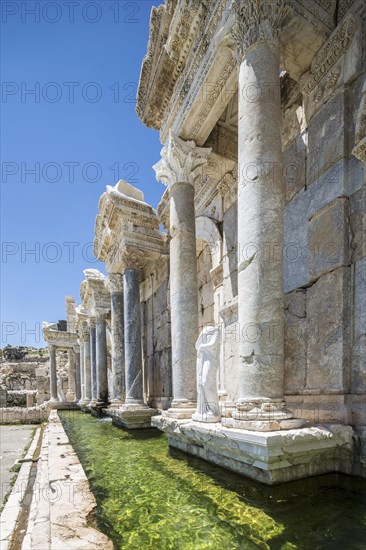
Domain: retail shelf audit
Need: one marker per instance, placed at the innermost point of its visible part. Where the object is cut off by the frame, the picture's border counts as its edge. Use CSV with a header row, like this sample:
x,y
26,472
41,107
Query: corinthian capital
x,y
257,21
132,258
180,161
115,282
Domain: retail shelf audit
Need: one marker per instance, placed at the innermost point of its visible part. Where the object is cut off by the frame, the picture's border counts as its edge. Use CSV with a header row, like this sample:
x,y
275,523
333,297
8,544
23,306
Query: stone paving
x,y
13,440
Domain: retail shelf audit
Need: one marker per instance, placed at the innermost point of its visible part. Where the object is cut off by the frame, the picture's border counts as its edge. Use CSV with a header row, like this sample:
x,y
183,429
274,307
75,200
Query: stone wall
x,y
325,264
25,370
205,288
156,334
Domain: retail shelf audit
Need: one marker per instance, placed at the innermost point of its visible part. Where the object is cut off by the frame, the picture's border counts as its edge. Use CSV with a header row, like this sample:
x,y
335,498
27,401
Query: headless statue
x,y
208,352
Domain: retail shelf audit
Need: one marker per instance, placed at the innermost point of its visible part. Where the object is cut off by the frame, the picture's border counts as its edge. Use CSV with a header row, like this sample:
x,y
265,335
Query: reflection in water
x,y
153,497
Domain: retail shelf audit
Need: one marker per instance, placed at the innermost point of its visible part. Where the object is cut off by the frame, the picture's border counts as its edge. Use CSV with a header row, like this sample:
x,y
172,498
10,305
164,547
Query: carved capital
x,y
256,21
133,258
91,322
102,314
180,161
115,282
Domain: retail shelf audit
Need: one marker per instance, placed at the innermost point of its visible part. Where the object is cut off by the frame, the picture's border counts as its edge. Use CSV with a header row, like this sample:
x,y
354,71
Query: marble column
x,y
260,214
178,169
82,373
70,395
87,366
77,374
53,375
118,347
93,363
133,349
101,359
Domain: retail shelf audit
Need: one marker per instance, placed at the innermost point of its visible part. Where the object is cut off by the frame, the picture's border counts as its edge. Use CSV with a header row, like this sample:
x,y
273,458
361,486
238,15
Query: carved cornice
x,y
324,61
208,81
173,29
181,161
257,21
344,6
59,338
318,12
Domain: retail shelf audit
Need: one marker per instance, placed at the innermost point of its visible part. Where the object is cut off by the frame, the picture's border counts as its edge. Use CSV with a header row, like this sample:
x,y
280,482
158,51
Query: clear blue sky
x,y
79,133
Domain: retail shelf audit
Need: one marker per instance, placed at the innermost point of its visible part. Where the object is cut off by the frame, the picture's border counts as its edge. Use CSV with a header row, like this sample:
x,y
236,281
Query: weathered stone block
x,y
359,334
358,224
328,333
295,342
294,166
295,249
328,239
230,253
327,134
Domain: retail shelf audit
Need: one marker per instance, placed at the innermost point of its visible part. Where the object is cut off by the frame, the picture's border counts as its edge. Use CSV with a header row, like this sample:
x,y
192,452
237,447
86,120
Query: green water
x,y
151,497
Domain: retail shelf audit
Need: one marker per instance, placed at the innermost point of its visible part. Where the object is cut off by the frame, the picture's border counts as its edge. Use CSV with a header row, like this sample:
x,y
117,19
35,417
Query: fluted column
x,y
132,330
93,362
87,366
178,168
77,374
260,208
53,375
101,359
117,330
70,395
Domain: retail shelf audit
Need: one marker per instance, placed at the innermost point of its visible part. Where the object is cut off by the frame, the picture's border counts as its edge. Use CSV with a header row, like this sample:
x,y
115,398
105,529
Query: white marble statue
x,y
208,354
60,391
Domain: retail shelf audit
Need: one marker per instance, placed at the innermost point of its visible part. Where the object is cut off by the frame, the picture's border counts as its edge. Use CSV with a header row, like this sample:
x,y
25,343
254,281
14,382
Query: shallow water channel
x,y
153,497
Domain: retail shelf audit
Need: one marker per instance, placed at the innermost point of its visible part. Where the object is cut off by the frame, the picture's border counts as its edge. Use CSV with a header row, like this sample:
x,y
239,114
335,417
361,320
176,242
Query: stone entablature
x,y
94,293
59,338
126,229
190,98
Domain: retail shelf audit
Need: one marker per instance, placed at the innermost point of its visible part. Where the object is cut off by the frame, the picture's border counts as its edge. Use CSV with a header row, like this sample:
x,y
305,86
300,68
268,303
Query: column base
x,y
116,404
181,409
268,457
262,414
132,416
208,418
